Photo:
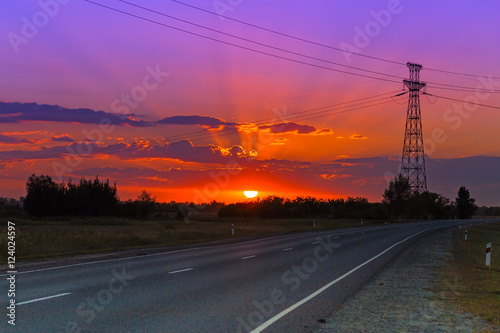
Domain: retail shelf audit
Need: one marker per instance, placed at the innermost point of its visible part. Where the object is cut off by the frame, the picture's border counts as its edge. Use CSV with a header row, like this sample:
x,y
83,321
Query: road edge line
x,y
283,313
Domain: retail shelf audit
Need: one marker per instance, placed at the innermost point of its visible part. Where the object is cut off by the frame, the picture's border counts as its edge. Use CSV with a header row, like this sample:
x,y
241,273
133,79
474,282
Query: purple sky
x,y
84,57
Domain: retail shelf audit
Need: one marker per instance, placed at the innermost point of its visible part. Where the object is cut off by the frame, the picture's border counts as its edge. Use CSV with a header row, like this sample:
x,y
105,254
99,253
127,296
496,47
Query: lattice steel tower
x,y
413,162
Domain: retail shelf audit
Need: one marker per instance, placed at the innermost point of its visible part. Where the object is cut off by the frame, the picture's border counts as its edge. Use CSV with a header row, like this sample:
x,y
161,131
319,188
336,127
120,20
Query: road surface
x,y
276,284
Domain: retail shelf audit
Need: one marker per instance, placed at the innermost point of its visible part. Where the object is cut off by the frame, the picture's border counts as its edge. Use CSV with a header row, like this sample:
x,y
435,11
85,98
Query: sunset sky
x,y
194,106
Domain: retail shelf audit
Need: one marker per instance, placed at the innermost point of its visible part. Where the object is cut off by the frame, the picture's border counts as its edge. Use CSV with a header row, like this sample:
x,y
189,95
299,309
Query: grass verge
x,y
69,236
466,281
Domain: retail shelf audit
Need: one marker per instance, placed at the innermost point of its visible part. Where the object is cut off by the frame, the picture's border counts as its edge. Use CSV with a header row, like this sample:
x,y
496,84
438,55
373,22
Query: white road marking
x,y
315,243
154,254
181,270
288,249
325,287
148,255
244,258
42,299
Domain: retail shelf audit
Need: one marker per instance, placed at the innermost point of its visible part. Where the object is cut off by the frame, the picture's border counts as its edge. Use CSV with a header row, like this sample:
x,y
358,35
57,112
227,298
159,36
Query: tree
x,y
396,196
89,198
9,207
429,204
43,196
465,204
145,204
271,207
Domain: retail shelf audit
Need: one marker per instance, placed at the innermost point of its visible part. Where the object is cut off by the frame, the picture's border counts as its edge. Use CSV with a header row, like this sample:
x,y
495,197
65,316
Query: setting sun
x,y
250,194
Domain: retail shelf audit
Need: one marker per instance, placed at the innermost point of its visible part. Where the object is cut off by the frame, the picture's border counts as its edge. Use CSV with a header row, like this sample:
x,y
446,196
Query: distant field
x,y
466,281
65,236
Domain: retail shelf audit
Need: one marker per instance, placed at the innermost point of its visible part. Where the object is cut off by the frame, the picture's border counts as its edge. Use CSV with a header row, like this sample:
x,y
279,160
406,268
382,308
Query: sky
x,y
184,100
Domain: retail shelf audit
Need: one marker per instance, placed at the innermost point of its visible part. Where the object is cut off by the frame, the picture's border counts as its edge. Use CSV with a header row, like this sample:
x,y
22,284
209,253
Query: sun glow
x,y
250,194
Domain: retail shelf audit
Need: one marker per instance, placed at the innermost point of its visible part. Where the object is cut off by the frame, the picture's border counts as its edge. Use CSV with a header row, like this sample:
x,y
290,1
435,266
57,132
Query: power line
x,y
462,101
239,46
258,43
450,87
458,73
326,45
203,134
455,87
291,36
298,116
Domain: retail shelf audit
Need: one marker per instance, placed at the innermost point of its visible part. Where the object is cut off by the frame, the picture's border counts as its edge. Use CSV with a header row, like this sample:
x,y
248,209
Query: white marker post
x,y
460,225
488,255
232,229
314,223
466,234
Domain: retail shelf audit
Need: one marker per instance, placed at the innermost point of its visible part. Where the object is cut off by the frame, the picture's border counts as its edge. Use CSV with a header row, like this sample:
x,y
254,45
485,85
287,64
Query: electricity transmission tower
x,y
413,162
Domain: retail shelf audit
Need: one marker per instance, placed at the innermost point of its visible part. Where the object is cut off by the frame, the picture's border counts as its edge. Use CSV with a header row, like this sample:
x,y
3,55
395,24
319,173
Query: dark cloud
x,y
18,112
289,127
205,121
7,139
213,123
346,177
49,153
182,150
478,173
445,176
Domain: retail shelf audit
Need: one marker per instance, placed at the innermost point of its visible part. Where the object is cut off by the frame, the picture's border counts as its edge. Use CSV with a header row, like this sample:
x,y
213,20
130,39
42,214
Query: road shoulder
x,y
402,297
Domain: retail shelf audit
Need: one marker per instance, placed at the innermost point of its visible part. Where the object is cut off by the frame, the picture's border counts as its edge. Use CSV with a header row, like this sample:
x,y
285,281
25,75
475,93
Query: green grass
x,y
68,236
467,281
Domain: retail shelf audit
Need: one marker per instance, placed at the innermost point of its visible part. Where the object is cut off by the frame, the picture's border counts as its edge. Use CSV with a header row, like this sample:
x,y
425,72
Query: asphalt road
x,y
277,284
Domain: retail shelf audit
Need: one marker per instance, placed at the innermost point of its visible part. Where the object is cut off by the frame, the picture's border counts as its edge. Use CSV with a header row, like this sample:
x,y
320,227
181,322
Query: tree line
x,y
305,207
399,202
45,197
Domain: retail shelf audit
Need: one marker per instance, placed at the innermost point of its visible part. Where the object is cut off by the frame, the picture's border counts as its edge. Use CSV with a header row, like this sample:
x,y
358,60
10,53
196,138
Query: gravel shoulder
x,y
403,297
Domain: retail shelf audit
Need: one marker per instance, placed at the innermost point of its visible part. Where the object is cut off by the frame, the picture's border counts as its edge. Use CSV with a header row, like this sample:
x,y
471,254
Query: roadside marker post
x,y
466,234
314,223
488,255
232,229
460,225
